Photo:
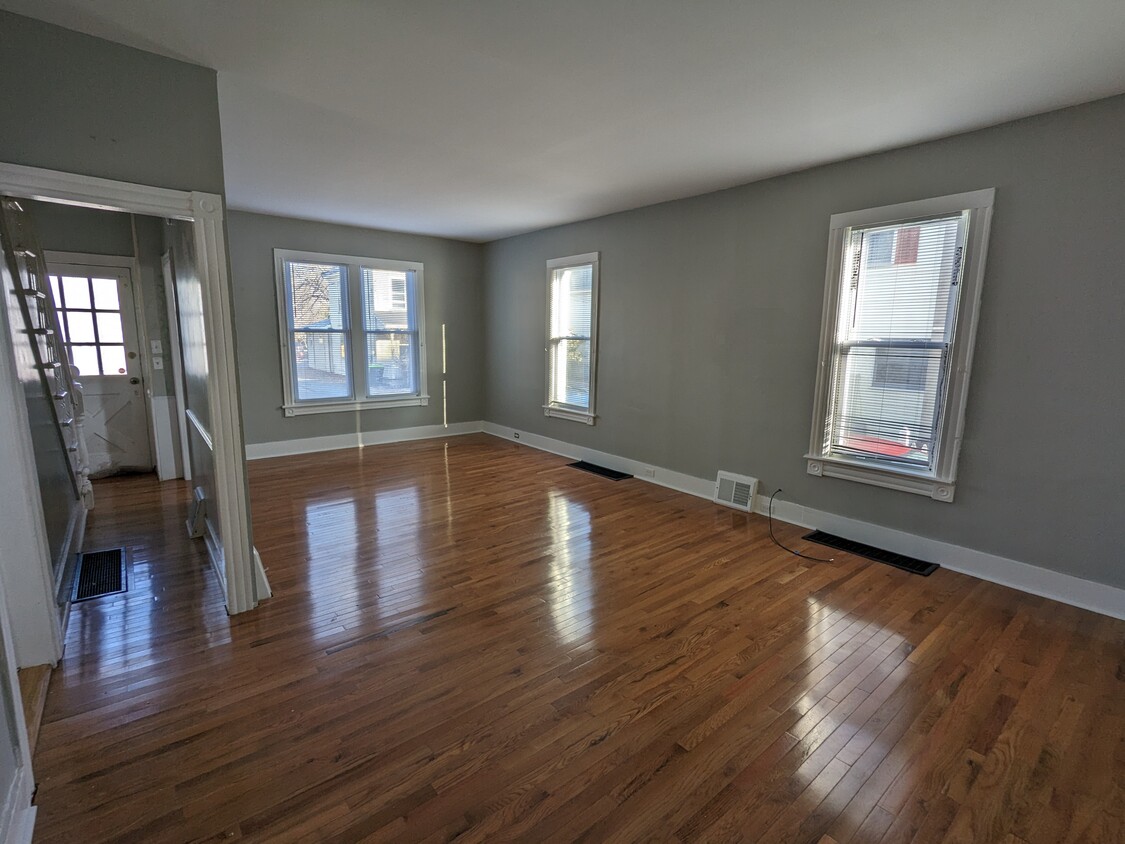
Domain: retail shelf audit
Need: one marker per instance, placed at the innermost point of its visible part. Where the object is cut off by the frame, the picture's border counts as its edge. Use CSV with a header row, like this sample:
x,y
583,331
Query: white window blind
x,y
898,298
571,341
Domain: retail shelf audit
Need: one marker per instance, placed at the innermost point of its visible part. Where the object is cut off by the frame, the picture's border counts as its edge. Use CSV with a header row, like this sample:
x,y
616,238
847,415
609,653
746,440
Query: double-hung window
x,y
572,334
900,313
352,332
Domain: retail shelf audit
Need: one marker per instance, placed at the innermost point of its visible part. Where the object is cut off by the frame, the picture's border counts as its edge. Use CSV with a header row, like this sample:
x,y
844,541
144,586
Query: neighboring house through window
x,y
903,289
352,332
572,327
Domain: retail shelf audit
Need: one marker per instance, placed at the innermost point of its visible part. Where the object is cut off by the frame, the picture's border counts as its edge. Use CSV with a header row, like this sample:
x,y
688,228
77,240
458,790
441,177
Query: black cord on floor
x,y
790,550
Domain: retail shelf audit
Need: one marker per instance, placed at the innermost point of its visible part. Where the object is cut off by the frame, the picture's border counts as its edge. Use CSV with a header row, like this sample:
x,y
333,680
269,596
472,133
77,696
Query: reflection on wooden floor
x,y
470,640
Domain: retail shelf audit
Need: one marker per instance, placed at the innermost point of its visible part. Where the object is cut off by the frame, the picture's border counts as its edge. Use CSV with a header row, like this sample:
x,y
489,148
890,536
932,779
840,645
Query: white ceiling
x,y
486,118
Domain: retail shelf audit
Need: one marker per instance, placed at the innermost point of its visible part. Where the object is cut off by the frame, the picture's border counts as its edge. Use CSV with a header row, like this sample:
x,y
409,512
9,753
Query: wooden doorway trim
x,y
204,211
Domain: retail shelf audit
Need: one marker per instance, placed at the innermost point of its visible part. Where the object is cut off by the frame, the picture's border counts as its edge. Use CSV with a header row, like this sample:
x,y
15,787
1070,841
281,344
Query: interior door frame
x,y
131,265
237,569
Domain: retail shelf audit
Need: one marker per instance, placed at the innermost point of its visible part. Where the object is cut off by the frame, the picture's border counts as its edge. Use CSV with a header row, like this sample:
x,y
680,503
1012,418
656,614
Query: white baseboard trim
x,y
311,445
1086,594
17,816
661,477
215,555
261,582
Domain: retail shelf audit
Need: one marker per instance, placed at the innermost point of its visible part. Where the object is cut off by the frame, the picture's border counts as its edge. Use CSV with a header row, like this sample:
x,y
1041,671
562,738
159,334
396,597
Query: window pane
x,y
570,372
77,292
55,291
887,403
391,364
105,294
80,327
113,360
86,359
385,299
322,365
316,295
898,293
109,328
571,301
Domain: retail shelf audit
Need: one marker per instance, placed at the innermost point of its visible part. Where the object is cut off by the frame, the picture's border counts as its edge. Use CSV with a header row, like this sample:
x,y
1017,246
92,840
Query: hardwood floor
x,y
471,641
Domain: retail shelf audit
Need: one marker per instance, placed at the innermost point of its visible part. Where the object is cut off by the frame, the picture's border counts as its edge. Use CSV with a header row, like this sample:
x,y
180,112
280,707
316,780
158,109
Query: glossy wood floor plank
x,y
471,641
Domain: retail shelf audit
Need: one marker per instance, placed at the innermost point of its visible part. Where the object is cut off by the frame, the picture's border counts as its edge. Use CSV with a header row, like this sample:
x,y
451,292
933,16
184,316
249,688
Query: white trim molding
x,y
355,331
558,409
205,212
312,445
936,480
1086,594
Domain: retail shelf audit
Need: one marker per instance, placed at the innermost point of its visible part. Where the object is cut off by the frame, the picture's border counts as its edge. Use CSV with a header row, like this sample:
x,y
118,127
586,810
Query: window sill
x,y
567,413
366,404
904,480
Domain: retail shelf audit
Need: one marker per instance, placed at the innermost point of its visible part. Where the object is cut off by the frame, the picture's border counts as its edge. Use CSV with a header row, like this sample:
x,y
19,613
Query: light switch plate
x,y
157,349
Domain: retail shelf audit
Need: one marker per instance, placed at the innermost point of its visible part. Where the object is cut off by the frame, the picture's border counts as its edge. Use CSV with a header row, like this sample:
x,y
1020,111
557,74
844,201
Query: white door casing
x,y
243,581
117,430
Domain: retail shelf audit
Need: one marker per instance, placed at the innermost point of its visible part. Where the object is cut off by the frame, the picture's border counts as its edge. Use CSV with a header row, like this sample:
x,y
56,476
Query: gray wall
x,y
79,104
67,228
710,315
453,294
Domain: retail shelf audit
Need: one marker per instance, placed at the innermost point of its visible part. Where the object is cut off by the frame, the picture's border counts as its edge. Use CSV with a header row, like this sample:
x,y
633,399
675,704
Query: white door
x,y
99,326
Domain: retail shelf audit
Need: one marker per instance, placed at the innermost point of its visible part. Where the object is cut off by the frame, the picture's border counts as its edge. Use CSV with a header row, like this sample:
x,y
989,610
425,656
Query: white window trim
x,y
291,405
940,482
559,410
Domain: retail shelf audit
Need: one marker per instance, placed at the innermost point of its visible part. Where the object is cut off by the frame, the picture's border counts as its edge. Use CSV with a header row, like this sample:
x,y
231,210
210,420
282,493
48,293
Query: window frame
x,y
939,483
561,410
356,335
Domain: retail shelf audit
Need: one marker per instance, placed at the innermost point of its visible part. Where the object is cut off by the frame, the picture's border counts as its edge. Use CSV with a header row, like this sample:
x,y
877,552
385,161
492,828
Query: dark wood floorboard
x,y
471,641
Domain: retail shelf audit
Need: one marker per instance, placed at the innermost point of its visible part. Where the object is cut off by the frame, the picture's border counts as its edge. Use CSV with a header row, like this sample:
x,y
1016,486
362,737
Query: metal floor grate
x,y
899,561
100,573
595,469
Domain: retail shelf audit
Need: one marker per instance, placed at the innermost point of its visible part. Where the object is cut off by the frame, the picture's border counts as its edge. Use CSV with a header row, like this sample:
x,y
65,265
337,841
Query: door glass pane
x,y
77,292
80,327
322,365
113,360
86,359
391,364
105,294
109,328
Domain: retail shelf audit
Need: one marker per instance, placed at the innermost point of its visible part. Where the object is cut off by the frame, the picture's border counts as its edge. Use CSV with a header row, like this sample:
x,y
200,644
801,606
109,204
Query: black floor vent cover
x,y
100,573
612,474
899,561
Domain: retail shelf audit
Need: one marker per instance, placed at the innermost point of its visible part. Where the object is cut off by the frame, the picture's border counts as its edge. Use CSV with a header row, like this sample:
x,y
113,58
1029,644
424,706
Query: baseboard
x,y
17,816
72,545
1086,594
646,472
261,581
311,445
215,555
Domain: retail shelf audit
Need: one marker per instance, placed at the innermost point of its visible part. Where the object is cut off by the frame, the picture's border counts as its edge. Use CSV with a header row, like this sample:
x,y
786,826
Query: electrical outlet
x,y
516,434
648,472
158,362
